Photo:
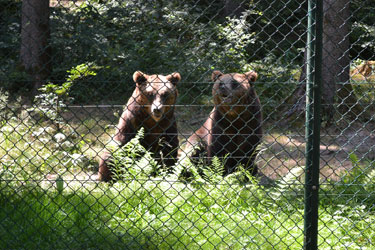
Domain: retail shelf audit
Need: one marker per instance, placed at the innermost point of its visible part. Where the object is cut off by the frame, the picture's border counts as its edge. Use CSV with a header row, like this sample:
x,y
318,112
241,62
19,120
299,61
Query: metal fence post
x,y
313,86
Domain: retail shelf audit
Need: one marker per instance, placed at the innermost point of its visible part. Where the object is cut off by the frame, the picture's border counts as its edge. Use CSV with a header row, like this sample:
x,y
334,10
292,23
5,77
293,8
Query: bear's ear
x,y
139,77
174,78
252,76
215,75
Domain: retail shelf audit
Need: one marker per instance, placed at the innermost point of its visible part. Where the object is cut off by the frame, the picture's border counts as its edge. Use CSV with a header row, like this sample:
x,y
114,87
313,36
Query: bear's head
x,y
156,93
232,89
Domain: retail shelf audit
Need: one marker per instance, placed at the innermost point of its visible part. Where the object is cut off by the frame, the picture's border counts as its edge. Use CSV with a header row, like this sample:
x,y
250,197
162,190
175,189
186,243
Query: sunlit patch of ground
x,y
280,152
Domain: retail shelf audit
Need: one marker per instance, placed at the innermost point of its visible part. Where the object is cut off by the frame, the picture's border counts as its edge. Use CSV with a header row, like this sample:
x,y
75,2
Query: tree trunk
x,y
336,61
234,8
35,34
335,66
298,97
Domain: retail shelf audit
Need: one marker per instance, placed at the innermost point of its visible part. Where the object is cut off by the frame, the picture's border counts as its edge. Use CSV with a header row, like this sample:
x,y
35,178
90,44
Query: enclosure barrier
x,y
204,124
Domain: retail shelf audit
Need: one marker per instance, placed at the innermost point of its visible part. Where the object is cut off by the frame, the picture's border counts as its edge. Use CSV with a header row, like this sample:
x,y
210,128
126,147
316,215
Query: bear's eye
x,y
234,84
165,96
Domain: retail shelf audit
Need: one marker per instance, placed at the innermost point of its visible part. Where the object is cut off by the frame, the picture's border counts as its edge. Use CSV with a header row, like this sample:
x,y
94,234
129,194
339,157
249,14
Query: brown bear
x,y
233,129
151,106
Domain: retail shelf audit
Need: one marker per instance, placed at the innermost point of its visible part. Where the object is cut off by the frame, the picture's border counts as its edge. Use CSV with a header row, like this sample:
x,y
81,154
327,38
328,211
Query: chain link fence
x,y
181,124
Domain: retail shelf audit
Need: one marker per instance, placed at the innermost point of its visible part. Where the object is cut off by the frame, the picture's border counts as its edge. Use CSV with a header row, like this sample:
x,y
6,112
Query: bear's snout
x,y
224,95
222,87
157,110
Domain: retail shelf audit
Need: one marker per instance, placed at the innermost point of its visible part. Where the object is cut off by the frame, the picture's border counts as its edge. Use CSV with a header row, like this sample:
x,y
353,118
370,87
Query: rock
x,y
67,145
60,137
79,160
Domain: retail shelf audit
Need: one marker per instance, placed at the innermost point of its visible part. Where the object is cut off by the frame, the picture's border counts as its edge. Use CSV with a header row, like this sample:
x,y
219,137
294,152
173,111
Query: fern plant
x,y
353,182
214,172
132,160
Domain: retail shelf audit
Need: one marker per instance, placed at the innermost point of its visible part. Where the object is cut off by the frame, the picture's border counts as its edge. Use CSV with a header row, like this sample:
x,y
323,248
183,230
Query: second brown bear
x,y
152,107
233,129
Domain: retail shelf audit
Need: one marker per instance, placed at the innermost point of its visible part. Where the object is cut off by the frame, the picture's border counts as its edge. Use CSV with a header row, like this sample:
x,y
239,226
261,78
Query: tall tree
x,y
35,34
234,8
336,60
335,65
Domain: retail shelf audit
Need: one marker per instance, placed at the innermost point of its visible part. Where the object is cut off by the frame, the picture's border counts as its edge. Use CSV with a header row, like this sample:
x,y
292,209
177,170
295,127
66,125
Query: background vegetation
x,y
48,195
191,37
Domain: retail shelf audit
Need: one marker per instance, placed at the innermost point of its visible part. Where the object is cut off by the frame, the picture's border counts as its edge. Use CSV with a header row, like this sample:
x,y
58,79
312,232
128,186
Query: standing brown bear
x,y
233,129
151,106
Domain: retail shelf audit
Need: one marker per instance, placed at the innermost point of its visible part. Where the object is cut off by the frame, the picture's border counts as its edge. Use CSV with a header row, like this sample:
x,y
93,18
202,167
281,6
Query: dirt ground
x,y
282,152
282,149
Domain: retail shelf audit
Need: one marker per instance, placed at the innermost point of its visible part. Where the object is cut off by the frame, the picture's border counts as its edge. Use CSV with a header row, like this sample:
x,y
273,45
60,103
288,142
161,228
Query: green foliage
x,y
167,36
8,107
4,96
275,83
12,78
233,38
77,72
362,36
54,98
291,185
214,172
156,37
132,160
30,153
216,216
49,106
204,173
355,186
155,214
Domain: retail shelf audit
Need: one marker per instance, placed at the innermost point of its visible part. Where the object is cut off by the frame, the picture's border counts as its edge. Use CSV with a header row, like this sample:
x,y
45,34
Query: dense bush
x,y
192,37
176,37
362,36
12,78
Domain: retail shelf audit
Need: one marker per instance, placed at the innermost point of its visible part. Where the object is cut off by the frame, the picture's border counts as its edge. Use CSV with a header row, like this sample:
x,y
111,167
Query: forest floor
x,y
282,149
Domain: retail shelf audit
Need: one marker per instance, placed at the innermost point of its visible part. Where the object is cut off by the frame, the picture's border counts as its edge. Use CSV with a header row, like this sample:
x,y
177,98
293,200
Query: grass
x,y
145,215
140,212
165,214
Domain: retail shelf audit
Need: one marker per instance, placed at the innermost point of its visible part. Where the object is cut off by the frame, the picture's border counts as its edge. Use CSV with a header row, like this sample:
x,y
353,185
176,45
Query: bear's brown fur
x,y
151,106
234,126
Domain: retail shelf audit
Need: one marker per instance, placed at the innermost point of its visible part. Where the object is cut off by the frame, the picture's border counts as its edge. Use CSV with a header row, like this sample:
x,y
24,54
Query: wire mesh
x,y
181,124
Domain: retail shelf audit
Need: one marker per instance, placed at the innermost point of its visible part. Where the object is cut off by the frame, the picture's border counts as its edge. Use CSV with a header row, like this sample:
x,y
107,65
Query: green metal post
x,y
313,86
